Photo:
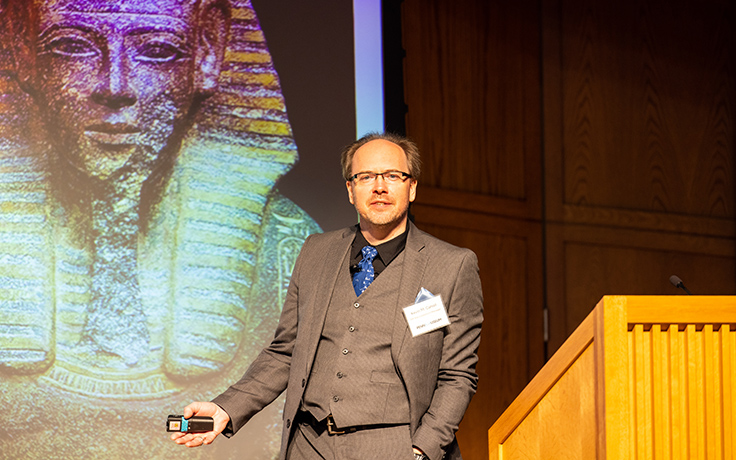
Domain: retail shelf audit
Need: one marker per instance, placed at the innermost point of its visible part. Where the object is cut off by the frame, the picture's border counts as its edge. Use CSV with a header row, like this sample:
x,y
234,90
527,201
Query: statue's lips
x,y
113,134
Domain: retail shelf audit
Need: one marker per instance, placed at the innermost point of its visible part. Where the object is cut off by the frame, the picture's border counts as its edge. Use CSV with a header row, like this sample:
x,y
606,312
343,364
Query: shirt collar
x,y
386,251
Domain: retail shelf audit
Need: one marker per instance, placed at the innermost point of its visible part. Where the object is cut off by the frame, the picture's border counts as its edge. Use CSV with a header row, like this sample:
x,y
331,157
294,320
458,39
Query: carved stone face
x,y
115,79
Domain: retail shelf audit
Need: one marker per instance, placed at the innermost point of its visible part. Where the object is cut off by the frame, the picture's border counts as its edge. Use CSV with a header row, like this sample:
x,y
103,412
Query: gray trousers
x,y
310,441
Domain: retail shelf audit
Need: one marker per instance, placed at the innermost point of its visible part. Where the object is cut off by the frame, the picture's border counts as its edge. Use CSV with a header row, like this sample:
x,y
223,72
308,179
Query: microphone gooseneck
x,y
677,282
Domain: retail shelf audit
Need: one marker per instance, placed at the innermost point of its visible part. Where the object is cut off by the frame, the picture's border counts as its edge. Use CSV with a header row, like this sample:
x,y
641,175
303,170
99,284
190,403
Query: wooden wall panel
x,y
647,106
472,90
587,263
581,149
639,100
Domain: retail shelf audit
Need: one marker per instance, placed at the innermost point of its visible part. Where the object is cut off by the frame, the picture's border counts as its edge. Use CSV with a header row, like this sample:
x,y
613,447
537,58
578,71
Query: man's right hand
x,y
204,409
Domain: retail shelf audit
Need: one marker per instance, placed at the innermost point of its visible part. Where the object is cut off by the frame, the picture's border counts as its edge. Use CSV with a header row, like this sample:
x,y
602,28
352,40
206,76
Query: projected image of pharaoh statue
x,y
144,249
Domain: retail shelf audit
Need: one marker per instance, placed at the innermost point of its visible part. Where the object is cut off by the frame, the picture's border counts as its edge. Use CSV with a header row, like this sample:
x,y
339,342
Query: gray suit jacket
x,y
437,368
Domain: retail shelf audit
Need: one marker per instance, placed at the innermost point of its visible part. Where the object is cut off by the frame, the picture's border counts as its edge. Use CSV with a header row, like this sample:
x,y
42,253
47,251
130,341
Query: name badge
x,y
426,316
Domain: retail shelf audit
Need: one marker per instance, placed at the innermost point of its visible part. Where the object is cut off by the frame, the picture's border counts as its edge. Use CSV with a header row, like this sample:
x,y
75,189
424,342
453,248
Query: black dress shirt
x,y
386,251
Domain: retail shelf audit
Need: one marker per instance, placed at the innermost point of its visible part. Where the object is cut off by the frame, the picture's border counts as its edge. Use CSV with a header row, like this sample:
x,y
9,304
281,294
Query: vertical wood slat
x,y
661,385
675,357
679,389
647,389
729,380
632,391
695,391
712,377
643,393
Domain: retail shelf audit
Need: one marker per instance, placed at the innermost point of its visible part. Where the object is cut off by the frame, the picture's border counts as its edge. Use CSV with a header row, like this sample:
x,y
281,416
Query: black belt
x,y
332,427
329,424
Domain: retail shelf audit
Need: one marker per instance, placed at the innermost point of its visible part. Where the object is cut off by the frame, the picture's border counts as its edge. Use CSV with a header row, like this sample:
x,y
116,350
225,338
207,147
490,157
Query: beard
x,y
387,218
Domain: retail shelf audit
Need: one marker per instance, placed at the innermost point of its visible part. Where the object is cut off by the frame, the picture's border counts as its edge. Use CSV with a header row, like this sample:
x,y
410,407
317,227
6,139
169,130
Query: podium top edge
x,y
677,309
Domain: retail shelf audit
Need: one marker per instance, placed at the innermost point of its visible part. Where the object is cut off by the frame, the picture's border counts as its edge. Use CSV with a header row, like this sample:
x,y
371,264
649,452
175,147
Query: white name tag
x,y
426,316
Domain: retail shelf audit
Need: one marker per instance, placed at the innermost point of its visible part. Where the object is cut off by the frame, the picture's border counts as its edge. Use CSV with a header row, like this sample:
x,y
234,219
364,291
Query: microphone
x,y
677,282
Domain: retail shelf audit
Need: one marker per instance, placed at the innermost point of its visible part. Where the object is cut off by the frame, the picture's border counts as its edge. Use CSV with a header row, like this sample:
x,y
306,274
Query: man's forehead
x,y
380,152
175,8
381,146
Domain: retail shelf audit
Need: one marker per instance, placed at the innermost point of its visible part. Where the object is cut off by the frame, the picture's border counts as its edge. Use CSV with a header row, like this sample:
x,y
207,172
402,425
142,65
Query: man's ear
x,y
213,27
350,192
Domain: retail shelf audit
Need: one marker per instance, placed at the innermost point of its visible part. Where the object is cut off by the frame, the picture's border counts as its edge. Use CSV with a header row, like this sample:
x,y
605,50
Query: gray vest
x,y
353,376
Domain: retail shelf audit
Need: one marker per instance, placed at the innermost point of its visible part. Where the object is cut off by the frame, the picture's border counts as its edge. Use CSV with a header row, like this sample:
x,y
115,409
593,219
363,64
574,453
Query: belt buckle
x,y
331,427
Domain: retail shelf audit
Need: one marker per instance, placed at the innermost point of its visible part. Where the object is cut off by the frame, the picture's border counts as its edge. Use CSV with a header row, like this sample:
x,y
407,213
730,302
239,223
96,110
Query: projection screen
x,y
154,194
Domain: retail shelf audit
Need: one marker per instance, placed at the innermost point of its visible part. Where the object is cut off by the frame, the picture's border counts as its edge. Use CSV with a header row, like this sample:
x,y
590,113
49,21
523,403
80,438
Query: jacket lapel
x,y
415,262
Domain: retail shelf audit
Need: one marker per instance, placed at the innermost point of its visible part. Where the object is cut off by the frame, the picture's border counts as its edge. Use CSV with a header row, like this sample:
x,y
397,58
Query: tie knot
x,y
369,253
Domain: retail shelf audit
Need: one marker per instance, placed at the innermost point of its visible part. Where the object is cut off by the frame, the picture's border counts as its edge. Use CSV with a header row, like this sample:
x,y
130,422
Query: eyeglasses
x,y
368,177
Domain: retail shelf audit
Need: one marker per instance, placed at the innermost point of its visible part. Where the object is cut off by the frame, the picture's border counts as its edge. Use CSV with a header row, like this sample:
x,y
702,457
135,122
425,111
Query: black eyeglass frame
x,y
404,176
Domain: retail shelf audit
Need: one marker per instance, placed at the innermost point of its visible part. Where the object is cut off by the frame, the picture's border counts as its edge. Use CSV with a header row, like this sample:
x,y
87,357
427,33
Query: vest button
x,y
356,305
340,375
344,351
335,398
351,329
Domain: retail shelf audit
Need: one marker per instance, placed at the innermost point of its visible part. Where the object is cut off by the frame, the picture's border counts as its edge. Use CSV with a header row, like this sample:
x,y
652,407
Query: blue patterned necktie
x,y
363,278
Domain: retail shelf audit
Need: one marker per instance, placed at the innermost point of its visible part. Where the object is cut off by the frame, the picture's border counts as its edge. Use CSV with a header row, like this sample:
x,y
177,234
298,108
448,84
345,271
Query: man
x,y
142,243
359,384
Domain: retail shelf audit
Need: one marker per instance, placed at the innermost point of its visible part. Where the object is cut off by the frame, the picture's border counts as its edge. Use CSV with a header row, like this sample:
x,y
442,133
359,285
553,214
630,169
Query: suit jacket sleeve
x,y
268,376
456,378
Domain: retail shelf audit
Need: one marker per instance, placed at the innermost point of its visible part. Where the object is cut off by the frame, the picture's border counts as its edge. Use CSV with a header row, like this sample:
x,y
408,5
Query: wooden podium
x,y
643,377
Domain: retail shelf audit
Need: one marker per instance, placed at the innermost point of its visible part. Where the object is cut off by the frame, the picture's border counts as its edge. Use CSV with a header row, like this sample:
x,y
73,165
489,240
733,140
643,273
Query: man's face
x,y
380,203
114,77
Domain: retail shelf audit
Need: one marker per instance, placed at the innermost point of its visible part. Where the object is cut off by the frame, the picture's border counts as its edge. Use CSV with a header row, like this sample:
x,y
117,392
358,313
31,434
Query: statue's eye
x,y
159,52
71,46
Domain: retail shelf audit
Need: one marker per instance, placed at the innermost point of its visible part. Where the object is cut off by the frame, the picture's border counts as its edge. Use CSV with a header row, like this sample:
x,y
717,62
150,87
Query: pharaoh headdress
x,y
206,236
